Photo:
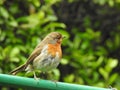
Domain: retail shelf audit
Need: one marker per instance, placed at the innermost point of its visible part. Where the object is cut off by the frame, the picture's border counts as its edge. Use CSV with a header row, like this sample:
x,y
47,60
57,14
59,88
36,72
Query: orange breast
x,y
53,48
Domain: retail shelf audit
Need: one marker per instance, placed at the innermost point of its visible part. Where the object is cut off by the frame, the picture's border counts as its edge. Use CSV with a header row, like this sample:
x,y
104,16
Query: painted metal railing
x,y
31,84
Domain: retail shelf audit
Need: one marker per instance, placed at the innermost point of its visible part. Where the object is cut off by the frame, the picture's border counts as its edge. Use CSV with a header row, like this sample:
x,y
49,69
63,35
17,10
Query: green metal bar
x,y
30,83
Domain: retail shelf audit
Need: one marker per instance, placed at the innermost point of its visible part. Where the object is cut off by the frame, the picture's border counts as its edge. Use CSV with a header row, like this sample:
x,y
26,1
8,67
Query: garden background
x,y
91,49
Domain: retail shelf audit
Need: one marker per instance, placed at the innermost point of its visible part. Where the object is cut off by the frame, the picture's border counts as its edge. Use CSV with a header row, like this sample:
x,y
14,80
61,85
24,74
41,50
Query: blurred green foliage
x,y
90,54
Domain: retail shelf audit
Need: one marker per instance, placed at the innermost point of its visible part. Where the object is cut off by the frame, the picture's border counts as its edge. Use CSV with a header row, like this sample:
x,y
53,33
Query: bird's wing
x,y
35,53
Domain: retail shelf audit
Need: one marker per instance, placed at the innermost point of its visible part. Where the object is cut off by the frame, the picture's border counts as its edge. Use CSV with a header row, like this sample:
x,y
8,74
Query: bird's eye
x,y
58,37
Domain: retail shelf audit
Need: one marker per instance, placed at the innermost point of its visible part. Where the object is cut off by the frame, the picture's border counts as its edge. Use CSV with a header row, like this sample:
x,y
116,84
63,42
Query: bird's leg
x,y
35,77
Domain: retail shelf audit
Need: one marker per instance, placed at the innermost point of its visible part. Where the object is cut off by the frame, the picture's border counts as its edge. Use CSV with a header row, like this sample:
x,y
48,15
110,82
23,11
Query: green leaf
x,y
36,3
64,61
41,15
112,63
13,23
103,73
113,78
14,59
56,73
51,18
4,12
15,51
111,3
100,60
77,41
2,2
69,78
102,2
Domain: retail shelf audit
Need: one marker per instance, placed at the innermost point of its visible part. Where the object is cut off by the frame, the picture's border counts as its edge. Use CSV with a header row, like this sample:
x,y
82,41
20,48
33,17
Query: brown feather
x,y
18,69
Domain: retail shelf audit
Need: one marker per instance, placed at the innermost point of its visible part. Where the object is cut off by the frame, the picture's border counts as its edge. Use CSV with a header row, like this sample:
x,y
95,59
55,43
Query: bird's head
x,y
54,38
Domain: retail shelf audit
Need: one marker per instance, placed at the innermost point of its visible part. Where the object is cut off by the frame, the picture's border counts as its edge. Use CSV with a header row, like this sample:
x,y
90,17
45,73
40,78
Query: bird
x,y
45,57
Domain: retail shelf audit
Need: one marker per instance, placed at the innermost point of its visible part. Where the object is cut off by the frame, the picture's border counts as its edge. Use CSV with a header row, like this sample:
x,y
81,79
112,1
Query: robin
x,y
45,57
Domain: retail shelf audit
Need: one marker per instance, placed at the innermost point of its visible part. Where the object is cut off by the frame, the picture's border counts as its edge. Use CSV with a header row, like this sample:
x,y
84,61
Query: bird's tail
x,y
18,69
